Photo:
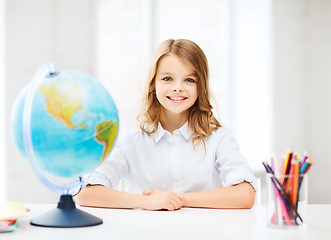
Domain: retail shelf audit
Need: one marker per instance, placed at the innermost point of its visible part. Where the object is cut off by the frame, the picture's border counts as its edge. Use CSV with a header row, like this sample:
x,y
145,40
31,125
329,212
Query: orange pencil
x,y
281,168
295,187
289,179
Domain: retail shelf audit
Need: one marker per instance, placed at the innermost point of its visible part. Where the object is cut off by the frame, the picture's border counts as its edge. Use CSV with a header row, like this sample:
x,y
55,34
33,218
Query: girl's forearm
x,y
100,196
237,196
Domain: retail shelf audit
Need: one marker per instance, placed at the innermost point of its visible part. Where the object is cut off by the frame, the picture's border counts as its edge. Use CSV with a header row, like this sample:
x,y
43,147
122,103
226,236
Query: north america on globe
x,y
74,124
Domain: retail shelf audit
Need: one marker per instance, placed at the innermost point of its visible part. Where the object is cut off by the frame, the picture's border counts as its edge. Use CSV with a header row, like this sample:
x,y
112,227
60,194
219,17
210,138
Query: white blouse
x,y
170,162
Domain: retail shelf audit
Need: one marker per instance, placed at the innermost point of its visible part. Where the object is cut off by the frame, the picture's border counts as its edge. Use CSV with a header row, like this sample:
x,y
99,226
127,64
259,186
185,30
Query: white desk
x,y
184,224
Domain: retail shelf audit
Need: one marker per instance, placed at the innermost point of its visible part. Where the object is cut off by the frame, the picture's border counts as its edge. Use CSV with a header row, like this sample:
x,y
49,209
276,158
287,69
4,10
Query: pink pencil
x,y
283,207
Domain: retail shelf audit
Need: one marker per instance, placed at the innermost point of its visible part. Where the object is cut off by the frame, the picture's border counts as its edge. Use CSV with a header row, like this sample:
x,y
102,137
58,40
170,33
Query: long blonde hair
x,y
201,118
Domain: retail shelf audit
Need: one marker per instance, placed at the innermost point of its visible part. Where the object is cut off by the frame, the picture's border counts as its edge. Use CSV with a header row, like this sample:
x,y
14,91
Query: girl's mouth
x,y
179,98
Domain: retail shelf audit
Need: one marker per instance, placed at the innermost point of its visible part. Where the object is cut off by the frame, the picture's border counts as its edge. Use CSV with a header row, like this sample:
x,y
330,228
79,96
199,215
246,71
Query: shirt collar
x,y
159,133
185,131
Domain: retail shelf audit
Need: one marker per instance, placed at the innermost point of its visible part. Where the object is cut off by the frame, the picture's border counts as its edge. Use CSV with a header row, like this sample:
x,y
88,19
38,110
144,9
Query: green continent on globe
x,y
106,133
74,124
62,103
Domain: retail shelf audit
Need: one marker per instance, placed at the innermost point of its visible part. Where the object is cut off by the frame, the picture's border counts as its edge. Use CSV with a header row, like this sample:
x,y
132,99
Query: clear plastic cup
x,y
287,200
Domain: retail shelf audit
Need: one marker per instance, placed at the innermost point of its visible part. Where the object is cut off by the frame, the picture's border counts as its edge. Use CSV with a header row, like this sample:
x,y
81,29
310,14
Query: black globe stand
x,y
66,215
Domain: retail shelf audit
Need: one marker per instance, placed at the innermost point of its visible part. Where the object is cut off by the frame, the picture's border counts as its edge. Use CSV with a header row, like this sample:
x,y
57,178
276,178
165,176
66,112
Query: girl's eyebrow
x,y
166,73
193,74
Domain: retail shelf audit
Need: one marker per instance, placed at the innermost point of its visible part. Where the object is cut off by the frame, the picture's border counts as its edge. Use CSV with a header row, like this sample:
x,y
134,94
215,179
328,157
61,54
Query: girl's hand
x,y
159,199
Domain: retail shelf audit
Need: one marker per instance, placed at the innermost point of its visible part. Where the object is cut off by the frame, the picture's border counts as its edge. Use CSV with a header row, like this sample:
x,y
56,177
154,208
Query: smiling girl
x,y
181,156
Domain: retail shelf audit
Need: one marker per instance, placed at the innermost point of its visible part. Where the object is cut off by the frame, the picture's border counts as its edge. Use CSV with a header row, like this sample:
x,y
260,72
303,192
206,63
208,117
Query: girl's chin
x,y
176,112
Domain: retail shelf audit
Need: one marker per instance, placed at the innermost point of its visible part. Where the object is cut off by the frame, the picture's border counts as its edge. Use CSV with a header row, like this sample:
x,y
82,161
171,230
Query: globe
x,y
73,123
66,124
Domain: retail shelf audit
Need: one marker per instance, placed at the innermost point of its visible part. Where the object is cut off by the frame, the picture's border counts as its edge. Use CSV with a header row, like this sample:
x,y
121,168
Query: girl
x,y
181,156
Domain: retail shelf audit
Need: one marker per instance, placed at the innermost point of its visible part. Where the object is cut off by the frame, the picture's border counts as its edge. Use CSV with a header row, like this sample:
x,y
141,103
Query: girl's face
x,y
176,86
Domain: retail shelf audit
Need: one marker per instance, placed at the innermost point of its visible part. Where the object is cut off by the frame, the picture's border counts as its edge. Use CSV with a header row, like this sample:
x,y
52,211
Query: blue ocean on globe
x,y
74,124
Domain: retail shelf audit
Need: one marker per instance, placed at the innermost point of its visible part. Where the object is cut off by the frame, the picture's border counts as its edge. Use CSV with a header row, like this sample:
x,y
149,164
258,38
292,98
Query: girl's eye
x,y
190,80
167,79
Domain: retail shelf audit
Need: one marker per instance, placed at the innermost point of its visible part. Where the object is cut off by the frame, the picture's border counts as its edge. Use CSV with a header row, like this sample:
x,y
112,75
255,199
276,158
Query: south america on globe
x,y
74,123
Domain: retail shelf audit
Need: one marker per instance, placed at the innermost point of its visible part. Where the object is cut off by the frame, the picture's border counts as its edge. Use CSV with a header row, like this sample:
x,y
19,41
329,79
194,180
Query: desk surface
x,y
187,223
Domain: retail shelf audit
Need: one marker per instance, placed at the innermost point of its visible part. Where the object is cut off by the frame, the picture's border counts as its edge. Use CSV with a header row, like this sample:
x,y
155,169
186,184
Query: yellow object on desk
x,y
12,210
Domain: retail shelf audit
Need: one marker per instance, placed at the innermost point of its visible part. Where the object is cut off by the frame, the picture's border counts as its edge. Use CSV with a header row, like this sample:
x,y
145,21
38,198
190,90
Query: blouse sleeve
x,y
111,171
232,166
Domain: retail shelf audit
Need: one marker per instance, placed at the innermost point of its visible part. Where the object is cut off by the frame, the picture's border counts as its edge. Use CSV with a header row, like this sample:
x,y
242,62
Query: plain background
x,y
269,64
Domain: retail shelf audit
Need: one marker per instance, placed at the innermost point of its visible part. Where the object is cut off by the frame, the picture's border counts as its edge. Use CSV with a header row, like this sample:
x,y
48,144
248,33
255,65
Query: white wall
x,y
251,78
318,98
2,105
302,83
118,56
39,31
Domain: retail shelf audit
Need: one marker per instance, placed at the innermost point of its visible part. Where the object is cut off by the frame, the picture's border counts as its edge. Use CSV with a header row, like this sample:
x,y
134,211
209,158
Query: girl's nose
x,y
177,90
177,87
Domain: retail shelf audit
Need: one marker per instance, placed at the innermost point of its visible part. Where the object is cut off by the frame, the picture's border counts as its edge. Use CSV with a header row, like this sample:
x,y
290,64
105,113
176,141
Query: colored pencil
x,y
287,166
304,159
283,195
286,188
295,186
